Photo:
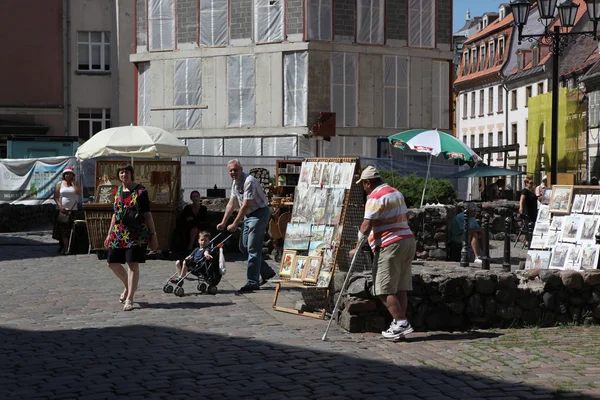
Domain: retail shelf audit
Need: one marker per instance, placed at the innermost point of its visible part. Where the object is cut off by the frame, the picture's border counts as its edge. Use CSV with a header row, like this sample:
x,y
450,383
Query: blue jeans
x,y
251,245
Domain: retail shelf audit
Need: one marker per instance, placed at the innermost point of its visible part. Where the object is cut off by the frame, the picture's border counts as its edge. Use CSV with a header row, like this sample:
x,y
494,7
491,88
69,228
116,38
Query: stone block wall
x,y
187,21
19,218
240,19
294,22
454,298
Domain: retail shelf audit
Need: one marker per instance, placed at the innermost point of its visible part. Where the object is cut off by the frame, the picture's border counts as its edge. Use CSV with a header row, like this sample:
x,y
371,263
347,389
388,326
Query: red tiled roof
x,y
491,28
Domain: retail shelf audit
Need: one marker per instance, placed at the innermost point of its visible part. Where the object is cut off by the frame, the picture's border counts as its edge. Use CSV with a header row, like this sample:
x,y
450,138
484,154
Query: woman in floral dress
x,y
131,232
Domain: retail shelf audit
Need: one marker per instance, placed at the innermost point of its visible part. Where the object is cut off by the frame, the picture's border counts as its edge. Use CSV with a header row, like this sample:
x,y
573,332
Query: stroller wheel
x,y
212,289
179,291
202,287
168,289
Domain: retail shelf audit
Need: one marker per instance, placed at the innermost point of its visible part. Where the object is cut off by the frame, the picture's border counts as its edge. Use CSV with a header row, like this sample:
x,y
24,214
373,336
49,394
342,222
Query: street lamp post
x,y
557,40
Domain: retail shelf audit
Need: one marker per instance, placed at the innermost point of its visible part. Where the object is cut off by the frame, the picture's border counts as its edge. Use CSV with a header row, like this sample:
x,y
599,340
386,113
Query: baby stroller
x,y
206,271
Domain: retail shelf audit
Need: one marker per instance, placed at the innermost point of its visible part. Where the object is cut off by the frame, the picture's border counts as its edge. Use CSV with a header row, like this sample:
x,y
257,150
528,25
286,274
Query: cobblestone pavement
x,y
63,335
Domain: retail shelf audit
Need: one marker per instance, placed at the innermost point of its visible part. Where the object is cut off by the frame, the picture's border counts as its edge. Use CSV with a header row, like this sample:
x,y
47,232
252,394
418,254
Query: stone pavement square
x,y
63,335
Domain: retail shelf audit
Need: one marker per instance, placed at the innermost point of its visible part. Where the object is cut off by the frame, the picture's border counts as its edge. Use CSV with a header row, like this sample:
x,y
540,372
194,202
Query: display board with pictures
x,y
315,242
564,236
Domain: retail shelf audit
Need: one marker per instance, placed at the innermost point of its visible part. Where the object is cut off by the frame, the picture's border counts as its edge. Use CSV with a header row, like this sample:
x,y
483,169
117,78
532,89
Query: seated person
x,y
198,254
495,191
191,221
475,232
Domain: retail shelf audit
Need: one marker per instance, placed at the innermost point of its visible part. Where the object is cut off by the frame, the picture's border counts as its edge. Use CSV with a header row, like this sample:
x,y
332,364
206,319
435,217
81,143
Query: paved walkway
x,y
63,335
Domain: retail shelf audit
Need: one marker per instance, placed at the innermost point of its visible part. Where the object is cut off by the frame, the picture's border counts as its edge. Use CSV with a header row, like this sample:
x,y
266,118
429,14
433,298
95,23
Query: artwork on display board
x,y
589,256
589,228
287,261
327,263
315,175
297,236
317,244
541,228
326,175
573,261
311,271
578,203
560,201
305,174
546,195
551,239
298,267
591,201
336,174
347,175
557,223
543,214
324,279
538,259
328,236
537,242
571,227
337,235
106,193
559,255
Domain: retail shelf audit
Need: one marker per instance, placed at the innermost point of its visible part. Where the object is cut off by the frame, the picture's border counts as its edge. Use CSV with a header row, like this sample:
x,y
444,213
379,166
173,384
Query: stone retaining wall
x,y
18,217
454,298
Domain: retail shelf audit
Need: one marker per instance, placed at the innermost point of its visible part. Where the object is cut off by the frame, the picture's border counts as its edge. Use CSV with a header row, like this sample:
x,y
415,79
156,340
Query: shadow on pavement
x,y
187,304
141,361
469,335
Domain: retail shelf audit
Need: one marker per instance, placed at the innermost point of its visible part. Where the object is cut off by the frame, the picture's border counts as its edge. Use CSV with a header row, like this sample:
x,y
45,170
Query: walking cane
x,y
360,245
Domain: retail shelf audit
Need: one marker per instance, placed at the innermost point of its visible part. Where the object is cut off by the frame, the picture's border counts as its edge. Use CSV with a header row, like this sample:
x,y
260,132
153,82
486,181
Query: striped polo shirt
x,y
387,208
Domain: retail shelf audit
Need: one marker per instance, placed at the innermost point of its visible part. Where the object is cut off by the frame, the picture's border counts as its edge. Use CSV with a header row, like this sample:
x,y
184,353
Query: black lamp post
x,y
557,40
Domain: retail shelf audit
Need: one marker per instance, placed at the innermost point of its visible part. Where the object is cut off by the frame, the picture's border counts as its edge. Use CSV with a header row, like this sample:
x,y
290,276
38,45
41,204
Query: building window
x,y
481,145
395,92
268,21
474,60
482,56
540,88
294,82
188,91
465,105
472,141
490,139
92,121
93,50
370,21
520,58
513,99
421,23
526,131
144,91
491,100
500,99
500,144
465,139
440,95
594,107
514,134
466,65
161,25
473,104
481,102
528,91
535,59
344,88
241,106
319,20
214,24
492,54
501,49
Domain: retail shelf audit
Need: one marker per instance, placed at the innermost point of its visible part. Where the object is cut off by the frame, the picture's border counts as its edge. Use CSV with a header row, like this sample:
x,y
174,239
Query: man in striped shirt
x,y
394,246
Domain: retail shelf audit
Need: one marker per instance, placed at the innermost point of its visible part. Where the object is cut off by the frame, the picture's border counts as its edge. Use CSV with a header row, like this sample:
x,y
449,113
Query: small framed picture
x,y
573,258
560,201
559,256
589,257
298,267
551,239
541,228
311,272
589,228
571,228
543,214
590,204
537,242
324,279
546,195
578,203
557,223
287,262
537,259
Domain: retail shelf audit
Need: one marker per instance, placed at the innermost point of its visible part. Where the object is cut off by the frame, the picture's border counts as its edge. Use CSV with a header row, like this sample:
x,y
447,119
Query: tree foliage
x,y
411,186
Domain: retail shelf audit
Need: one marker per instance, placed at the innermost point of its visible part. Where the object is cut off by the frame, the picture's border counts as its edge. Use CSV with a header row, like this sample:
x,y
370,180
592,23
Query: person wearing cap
x,y
457,231
66,196
539,190
385,225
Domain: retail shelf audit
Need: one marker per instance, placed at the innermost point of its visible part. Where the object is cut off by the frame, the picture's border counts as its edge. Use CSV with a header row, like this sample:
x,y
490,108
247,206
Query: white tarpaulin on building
x,y
344,88
272,146
395,92
319,20
440,82
240,91
268,21
161,25
421,23
144,91
295,86
370,21
214,26
188,92
31,180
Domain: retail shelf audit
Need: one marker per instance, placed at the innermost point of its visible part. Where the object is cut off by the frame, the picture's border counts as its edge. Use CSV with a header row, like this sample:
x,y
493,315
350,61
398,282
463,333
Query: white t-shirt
x,y
248,188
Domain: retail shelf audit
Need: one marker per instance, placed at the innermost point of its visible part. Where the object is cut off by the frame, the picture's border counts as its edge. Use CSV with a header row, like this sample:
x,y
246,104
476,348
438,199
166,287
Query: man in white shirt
x,y
539,190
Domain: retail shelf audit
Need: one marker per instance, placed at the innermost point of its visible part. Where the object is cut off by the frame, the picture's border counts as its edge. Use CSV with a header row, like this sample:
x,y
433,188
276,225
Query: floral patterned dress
x,y
130,227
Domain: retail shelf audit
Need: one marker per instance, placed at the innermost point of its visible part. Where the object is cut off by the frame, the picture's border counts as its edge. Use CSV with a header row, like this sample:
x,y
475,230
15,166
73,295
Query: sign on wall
x,y
31,181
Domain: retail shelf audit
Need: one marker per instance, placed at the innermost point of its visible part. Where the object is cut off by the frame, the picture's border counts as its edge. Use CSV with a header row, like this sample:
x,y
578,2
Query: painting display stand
x,y
327,211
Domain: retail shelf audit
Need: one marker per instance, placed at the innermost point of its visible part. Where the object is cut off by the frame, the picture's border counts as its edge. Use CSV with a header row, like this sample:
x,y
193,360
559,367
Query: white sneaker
x,y
478,260
397,331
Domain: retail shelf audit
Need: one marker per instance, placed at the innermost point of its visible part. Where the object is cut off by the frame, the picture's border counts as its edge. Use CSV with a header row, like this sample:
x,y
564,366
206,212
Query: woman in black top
x,y
193,219
528,203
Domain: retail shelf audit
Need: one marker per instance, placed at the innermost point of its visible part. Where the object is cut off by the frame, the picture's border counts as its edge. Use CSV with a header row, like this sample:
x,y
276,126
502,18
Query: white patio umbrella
x,y
132,141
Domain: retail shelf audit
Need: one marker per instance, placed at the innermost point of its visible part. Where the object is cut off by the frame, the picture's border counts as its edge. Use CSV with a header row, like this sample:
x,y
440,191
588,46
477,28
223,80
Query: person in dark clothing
x,y
193,219
528,204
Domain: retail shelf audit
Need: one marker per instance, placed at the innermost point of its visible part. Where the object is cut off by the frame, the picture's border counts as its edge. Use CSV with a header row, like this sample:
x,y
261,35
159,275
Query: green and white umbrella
x,y
434,143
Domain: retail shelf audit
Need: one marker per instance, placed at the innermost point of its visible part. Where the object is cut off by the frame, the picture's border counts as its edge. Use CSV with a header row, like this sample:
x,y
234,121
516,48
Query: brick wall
x,y
187,21
140,11
241,19
343,17
444,21
294,17
396,23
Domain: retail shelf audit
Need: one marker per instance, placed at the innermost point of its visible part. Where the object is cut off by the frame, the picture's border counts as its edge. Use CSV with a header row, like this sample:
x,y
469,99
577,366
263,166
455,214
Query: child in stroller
x,y
203,263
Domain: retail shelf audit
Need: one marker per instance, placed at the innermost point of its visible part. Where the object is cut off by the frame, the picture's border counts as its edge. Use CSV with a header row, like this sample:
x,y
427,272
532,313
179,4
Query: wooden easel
x,y
351,216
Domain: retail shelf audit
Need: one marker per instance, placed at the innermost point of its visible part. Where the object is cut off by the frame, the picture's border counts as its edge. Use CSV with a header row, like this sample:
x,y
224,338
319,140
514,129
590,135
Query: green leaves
x,y
411,186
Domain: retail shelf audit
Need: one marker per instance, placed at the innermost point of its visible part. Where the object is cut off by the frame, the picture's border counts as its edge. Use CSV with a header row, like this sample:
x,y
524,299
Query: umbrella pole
x,y
426,178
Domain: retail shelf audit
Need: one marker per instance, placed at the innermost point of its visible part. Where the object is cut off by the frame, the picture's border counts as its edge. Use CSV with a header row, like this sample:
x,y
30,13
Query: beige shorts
x,y
392,267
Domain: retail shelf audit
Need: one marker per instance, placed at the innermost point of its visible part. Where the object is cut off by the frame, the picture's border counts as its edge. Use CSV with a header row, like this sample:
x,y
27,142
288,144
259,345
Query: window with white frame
x,y
466,66
440,96
500,144
500,99
214,24
295,99
473,104
492,58
241,107
370,21
465,105
92,121
93,51
268,21
490,139
319,20
474,60
482,57
472,144
594,107
501,48
187,87
421,23
481,145
144,91
344,88
395,91
481,102
491,100
161,25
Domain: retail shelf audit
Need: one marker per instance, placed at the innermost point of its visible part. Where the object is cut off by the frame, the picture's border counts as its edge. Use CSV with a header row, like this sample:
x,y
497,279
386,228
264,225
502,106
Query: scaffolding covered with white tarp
x,y
161,25
344,88
421,23
295,88
268,21
187,85
144,92
214,24
370,21
319,20
241,91
395,92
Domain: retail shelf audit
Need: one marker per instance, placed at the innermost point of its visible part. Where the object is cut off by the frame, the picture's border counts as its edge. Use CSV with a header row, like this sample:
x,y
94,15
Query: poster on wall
x,y
31,181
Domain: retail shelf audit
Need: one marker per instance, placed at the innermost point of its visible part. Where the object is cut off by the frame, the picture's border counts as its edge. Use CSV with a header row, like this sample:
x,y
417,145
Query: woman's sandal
x,y
128,305
123,296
